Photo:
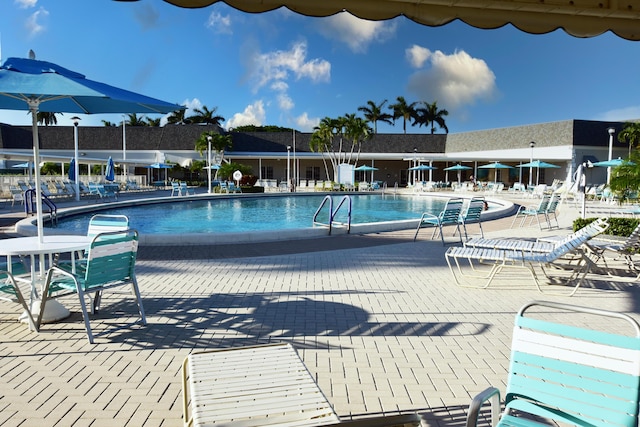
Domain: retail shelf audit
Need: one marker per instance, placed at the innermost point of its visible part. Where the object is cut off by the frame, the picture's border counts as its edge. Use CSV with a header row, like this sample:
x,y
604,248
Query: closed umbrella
x,y
40,86
72,170
110,170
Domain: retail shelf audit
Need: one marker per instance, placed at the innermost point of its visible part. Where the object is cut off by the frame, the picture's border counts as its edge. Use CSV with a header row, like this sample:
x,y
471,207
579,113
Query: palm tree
x,y
178,118
218,142
207,116
431,115
373,113
630,134
108,123
47,118
403,110
357,130
134,120
153,122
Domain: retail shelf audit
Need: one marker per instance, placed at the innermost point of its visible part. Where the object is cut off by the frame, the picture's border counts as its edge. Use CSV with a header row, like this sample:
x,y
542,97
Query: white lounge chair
x,y
263,385
499,259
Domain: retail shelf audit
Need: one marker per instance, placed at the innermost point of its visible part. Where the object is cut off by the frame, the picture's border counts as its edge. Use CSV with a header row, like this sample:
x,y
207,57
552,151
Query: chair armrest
x,y
490,393
407,420
428,218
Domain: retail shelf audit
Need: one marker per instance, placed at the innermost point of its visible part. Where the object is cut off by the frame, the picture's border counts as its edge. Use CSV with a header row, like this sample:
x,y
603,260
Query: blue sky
x,y
279,68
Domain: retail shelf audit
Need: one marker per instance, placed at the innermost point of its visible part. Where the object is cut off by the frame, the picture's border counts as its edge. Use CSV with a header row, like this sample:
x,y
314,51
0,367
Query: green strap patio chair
x,y
9,290
450,215
110,263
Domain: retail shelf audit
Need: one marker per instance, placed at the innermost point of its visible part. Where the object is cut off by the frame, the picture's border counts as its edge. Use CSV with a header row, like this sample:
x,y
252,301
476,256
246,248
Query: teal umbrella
x,y
613,163
40,86
495,165
458,168
538,164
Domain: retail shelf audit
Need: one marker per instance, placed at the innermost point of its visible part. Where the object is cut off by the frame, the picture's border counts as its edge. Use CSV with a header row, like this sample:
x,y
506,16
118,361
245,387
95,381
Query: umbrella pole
x,y
33,107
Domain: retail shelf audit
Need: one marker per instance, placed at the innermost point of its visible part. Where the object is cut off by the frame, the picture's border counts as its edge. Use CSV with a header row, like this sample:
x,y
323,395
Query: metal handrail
x,y
333,215
30,194
334,212
315,216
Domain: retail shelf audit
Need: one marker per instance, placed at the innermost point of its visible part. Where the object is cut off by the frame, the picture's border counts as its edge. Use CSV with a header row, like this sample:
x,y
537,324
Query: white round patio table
x,y
33,247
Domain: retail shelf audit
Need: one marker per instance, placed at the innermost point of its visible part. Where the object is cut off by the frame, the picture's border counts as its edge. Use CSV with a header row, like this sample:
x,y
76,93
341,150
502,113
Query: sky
x,y
280,68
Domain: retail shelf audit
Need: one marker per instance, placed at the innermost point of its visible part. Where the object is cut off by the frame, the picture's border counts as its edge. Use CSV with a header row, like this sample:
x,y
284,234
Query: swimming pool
x,y
252,214
206,219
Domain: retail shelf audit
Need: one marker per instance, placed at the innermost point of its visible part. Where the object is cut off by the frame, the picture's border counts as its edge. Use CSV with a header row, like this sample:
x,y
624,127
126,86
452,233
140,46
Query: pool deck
x,y
376,318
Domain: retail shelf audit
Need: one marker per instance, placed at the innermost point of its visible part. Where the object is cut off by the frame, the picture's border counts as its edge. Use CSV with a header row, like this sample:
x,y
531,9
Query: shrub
x,y
617,226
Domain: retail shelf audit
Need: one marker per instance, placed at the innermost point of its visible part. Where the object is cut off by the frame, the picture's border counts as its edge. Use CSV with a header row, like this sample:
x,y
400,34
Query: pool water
x,y
232,215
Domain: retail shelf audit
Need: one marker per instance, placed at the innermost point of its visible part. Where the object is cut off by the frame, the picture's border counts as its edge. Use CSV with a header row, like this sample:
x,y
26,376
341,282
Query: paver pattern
x,y
377,320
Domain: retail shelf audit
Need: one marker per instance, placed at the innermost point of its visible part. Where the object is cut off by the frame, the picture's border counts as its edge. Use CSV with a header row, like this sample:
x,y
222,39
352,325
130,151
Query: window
x,y
266,172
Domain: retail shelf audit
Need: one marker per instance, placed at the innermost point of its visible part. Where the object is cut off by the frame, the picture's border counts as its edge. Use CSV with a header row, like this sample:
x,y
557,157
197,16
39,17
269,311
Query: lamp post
x,y
76,168
611,132
531,144
209,163
288,168
415,163
124,147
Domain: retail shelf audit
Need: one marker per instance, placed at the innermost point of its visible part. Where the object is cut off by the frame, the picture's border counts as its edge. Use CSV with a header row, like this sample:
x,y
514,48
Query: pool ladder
x,y
30,208
333,212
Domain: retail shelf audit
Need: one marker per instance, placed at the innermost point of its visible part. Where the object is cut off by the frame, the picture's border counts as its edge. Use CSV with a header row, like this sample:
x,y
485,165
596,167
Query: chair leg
x,y
85,315
136,290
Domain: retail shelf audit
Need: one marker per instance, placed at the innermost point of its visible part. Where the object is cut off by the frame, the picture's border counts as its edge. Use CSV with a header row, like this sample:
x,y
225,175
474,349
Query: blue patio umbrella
x,y
365,168
495,165
539,164
72,170
458,167
422,168
613,163
110,170
41,86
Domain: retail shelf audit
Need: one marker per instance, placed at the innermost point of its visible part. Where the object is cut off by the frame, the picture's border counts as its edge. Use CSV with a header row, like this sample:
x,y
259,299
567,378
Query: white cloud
x,y
417,55
219,24
620,114
33,25
280,86
277,66
306,124
253,114
454,81
191,105
26,4
285,102
357,33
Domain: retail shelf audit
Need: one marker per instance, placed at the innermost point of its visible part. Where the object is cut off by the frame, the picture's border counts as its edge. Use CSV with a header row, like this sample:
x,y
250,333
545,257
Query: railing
x,y
29,205
334,212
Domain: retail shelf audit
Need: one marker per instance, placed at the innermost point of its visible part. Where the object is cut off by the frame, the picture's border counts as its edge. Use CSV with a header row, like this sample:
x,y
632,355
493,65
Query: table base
x,y
53,312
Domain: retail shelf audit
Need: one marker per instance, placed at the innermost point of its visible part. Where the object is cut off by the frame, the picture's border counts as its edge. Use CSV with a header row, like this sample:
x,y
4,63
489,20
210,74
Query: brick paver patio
x,y
377,319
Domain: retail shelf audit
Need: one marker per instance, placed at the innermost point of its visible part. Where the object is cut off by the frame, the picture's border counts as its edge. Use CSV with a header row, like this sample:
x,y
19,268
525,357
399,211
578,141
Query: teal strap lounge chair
x,y
110,263
9,290
562,374
450,215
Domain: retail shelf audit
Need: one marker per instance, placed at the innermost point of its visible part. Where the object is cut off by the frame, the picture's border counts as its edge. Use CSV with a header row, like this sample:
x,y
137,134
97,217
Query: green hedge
x,y
617,226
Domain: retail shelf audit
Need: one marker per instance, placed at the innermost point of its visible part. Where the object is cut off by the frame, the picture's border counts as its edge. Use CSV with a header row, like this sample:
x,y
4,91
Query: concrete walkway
x,y
377,320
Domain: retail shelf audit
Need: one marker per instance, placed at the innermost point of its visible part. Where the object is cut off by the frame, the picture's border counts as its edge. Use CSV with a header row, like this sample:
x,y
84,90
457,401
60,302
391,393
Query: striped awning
x,y
580,18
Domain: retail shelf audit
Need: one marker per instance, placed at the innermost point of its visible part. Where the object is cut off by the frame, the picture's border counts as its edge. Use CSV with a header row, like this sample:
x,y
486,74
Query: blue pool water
x,y
231,215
